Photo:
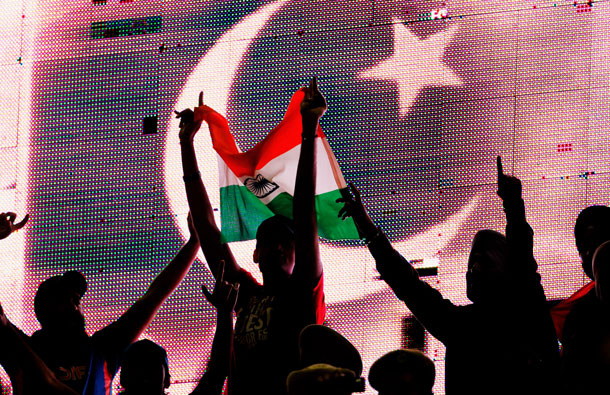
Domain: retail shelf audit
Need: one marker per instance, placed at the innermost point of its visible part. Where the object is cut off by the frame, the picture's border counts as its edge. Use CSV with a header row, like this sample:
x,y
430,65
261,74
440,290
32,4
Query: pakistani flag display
x,y
259,183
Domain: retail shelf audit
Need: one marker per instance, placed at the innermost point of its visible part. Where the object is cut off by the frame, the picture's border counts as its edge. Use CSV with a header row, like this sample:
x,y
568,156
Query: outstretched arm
x,y
308,267
133,322
22,363
427,304
223,298
199,203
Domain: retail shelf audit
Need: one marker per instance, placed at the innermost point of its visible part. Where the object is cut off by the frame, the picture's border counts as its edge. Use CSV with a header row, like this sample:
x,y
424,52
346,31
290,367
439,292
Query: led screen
x,y
423,95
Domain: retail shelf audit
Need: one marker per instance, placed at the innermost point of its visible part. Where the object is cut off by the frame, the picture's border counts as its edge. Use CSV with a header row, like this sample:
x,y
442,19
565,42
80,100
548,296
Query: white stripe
x,y
226,176
282,170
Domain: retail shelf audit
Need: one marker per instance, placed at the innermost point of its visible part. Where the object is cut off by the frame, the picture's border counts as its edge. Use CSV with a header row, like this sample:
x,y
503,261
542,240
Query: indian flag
x,y
259,183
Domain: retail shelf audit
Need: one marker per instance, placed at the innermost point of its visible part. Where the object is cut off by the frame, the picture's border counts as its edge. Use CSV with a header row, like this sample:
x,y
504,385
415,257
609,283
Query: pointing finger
x,y
201,98
313,84
499,165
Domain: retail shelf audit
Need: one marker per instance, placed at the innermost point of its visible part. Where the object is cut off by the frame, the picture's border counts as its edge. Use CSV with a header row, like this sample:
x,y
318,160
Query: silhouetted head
x,y
331,364
274,251
487,275
57,303
403,372
144,369
601,271
320,344
592,228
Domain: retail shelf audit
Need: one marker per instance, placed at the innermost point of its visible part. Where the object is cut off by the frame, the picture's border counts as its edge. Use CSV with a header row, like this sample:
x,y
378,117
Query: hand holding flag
x,y
189,122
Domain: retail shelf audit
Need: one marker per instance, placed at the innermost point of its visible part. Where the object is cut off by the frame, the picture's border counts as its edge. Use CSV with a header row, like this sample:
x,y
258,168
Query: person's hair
x,y
397,363
597,216
56,287
275,230
138,353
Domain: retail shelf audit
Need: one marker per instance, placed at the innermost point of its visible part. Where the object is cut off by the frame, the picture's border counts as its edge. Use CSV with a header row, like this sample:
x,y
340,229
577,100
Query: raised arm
x,y
23,365
426,303
308,267
519,234
223,298
133,322
199,203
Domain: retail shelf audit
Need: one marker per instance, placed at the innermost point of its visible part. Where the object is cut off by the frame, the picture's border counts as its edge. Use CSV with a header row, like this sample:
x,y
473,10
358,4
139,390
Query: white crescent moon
x,y
214,76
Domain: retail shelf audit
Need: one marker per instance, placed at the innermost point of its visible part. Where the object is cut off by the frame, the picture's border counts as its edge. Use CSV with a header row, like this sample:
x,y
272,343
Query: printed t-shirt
x,y
267,331
87,364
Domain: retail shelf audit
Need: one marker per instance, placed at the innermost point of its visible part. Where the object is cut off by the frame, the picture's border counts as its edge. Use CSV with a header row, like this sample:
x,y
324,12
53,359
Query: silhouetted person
x,y
331,365
586,335
86,363
144,369
403,372
269,316
16,352
592,228
502,343
144,366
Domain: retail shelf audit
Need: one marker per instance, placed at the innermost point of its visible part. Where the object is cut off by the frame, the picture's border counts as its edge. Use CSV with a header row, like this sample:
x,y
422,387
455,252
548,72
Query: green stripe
x,y
330,226
241,213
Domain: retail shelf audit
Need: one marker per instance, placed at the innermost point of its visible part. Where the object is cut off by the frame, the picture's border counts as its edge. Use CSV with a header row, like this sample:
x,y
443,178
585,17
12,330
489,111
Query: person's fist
x,y
189,126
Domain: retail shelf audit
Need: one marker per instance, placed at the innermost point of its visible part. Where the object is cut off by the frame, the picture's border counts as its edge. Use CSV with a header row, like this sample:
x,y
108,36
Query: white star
x,y
415,64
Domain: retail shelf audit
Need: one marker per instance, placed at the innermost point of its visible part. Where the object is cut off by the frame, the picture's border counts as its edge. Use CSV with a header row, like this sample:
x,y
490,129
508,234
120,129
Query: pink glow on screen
x,y
525,80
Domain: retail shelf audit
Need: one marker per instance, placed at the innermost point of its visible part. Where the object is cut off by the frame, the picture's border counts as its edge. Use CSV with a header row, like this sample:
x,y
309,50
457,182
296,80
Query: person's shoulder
x,y
248,286
246,280
104,337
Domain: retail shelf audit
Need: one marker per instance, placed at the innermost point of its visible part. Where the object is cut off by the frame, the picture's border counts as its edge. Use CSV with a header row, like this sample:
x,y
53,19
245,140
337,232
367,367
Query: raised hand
x,y
354,208
224,295
188,125
8,225
509,187
313,105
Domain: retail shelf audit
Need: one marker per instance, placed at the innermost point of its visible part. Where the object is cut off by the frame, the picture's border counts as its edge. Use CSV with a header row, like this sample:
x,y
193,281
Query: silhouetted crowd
x,y
509,340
